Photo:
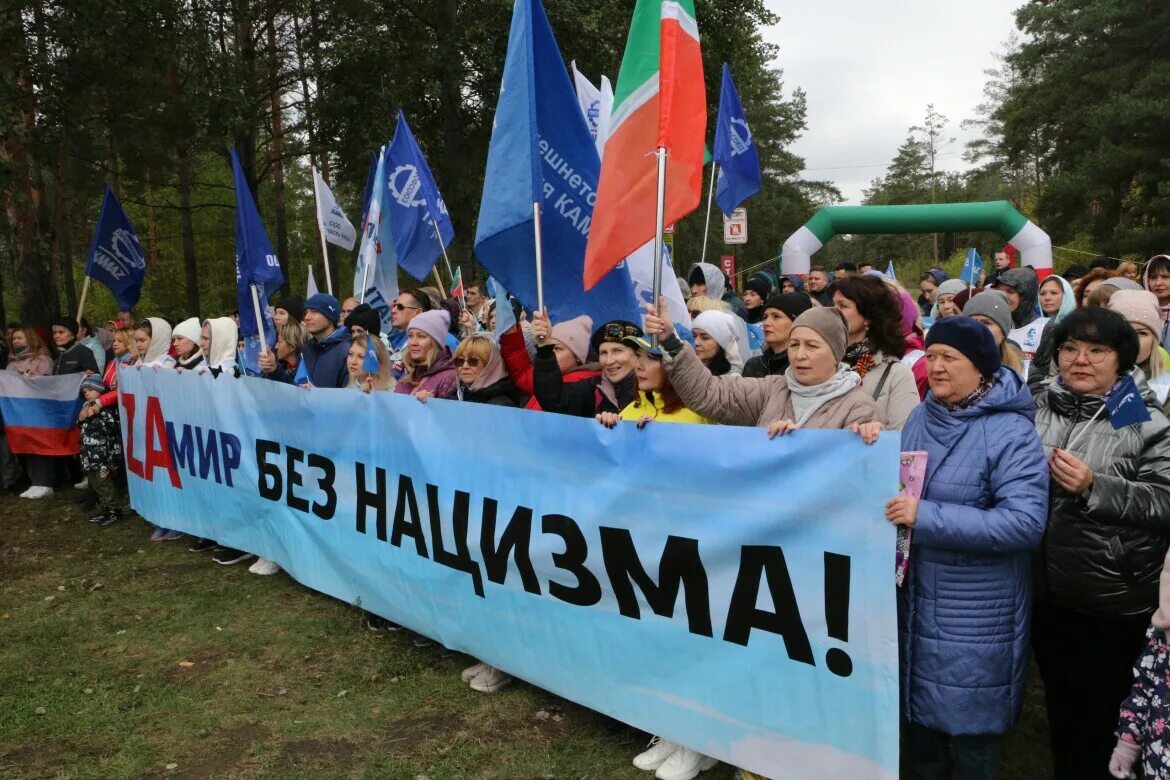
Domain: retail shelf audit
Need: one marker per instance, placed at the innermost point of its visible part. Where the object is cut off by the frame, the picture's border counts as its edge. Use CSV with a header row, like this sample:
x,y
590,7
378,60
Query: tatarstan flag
x,y
660,100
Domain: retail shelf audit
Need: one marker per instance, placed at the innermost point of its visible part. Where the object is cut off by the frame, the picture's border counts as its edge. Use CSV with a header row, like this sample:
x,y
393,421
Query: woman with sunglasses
x,y
1108,532
483,377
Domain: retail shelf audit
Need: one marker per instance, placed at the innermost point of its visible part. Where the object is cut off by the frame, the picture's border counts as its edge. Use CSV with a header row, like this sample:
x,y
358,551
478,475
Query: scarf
x,y
974,397
807,399
859,358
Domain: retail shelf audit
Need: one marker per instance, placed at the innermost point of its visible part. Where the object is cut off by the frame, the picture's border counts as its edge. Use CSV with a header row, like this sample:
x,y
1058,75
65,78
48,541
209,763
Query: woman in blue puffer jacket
x,y
965,608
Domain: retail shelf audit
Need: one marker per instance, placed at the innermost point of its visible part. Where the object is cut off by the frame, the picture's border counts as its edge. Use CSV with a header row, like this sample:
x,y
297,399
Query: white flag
x,y
335,226
375,278
641,268
596,106
311,285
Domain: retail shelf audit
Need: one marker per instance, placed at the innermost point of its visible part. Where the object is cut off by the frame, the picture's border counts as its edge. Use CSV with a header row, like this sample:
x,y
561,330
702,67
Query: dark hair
x,y
84,323
1095,275
847,267
876,303
1158,263
1100,326
144,325
477,285
421,298
718,365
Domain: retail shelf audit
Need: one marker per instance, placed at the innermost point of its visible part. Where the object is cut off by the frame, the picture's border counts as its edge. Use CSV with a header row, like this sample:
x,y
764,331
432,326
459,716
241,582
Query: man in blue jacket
x,y
325,355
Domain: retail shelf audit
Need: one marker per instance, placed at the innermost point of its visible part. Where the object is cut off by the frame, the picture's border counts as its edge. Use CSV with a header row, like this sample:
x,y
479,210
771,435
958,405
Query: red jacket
x,y
519,365
110,380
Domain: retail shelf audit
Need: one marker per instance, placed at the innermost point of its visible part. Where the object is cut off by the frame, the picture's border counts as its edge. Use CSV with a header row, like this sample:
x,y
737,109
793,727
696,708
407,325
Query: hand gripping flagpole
x,y
321,232
710,197
540,252
658,226
259,320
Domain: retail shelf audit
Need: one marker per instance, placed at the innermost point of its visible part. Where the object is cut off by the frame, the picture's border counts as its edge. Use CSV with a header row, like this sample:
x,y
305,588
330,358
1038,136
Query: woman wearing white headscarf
x,y
719,342
152,337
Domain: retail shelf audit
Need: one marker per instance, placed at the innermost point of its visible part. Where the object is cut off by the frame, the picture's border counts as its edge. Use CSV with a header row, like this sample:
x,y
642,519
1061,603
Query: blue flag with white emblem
x,y
1125,404
972,267
256,264
735,151
115,257
414,207
541,152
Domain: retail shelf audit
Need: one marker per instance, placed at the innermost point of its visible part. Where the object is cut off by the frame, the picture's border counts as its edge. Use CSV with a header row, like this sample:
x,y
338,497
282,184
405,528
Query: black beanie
x,y
969,336
364,317
67,324
792,304
759,287
616,331
294,305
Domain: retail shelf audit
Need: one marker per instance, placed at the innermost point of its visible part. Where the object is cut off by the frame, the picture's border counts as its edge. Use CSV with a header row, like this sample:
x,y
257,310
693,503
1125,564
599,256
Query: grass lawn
x,y
123,658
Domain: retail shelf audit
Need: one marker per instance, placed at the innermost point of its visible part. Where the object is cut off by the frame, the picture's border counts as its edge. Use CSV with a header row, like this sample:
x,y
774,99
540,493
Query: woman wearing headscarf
x,y
219,339
944,299
965,605
719,342
429,372
876,346
483,378
779,313
1108,532
1057,299
185,339
565,348
1156,279
152,337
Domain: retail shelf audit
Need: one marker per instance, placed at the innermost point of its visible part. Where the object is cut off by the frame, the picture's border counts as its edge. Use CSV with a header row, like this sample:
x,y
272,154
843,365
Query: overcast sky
x,y
869,68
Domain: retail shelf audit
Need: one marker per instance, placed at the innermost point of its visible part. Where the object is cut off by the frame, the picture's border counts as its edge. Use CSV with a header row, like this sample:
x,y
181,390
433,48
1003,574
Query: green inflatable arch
x,y
1034,245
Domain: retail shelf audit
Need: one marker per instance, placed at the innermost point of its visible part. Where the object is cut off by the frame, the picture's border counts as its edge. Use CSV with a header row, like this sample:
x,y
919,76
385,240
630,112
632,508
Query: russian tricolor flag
x,y
40,413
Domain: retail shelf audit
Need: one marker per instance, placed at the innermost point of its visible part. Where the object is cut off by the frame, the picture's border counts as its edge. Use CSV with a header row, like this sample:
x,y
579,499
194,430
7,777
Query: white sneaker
x,y
37,491
472,672
264,567
660,750
82,485
27,493
684,764
490,680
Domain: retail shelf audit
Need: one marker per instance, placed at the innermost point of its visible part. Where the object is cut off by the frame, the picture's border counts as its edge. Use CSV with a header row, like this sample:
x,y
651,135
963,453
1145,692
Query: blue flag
x,y
375,276
415,205
505,315
890,270
1125,404
735,150
369,190
115,256
541,152
256,264
370,361
972,267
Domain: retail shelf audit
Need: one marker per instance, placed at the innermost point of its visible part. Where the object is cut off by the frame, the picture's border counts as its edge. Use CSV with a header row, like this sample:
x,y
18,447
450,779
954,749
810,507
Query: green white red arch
x,y
1034,245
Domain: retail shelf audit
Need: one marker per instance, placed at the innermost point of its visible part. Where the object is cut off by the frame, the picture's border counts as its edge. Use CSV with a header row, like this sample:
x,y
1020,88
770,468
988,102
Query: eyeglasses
x,y
1094,354
469,361
402,307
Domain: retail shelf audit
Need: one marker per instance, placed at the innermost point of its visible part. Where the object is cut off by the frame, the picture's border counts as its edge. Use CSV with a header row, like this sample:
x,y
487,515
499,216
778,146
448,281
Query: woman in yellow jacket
x,y
656,399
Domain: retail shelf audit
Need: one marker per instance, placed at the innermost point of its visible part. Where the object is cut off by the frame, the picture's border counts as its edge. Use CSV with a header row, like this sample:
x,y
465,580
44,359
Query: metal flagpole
x,y
658,226
259,320
84,295
446,261
365,277
710,197
321,232
540,250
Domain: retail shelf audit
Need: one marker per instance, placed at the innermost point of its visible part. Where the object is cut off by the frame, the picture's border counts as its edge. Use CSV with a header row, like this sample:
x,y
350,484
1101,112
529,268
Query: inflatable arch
x,y
1034,245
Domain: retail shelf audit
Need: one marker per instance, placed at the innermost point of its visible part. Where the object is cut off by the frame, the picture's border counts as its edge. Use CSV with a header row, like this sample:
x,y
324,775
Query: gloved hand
x,y
1125,755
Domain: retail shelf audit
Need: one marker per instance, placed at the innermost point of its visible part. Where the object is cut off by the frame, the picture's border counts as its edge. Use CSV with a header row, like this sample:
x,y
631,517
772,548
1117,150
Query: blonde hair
x,y
125,337
701,303
1011,356
384,379
294,333
1128,265
34,343
475,347
413,369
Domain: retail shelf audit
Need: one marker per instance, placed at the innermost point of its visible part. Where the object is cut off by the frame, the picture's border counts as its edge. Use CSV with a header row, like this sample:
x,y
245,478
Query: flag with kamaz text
x,y
115,257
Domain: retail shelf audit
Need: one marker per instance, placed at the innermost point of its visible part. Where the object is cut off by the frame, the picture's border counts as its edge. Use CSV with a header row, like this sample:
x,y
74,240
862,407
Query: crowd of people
x,y
1042,531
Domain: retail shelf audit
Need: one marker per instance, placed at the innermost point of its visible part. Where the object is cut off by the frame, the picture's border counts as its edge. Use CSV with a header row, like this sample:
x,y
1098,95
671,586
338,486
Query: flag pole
x,y
259,320
84,295
438,279
321,233
658,226
540,249
710,197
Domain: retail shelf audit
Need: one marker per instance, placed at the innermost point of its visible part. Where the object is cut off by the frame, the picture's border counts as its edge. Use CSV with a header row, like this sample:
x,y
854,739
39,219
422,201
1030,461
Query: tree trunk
x,y
187,228
277,112
63,214
151,222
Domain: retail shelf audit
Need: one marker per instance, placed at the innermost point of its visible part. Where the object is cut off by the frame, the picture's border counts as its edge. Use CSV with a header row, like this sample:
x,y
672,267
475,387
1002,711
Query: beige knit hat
x,y
829,324
1139,307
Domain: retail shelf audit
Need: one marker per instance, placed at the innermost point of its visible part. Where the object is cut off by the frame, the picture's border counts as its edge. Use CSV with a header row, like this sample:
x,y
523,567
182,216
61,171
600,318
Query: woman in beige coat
x,y
817,390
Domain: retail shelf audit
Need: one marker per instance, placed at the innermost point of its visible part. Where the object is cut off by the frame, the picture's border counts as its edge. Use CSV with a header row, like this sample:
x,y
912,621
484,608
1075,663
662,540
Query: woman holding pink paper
x,y
965,607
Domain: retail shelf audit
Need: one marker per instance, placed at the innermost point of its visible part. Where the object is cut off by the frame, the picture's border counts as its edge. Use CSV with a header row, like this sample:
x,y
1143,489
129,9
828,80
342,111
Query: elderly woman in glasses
x,y
1108,532
483,377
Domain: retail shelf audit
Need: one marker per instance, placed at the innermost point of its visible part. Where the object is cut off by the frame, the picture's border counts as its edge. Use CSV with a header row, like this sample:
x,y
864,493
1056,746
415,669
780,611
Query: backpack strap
x,y
882,382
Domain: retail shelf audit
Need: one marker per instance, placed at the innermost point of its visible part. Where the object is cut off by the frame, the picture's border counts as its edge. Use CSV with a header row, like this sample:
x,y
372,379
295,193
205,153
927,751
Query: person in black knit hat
x,y
778,314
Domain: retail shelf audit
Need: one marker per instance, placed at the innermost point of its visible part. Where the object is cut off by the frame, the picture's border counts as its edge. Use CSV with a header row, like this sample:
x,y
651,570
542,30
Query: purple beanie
x,y
434,323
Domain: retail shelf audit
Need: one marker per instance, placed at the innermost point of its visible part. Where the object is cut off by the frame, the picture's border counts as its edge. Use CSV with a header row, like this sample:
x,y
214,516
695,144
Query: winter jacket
x,y
33,365
899,392
74,360
915,360
582,398
738,400
767,364
501,393
110,380
1103,551
520,368
439,379
965,610
101,441
99,352
325,359
1145,713
643,406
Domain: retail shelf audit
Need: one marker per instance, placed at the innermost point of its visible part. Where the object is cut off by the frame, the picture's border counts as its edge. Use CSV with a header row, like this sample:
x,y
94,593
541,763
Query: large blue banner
x,y
700,582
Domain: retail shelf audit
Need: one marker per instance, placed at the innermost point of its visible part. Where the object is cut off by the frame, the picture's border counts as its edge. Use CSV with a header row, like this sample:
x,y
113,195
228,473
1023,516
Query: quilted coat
x,y
965,610
1103,551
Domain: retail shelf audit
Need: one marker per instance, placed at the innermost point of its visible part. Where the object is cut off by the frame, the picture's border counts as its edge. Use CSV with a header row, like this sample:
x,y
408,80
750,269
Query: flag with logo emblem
x,y
414,205
735,150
